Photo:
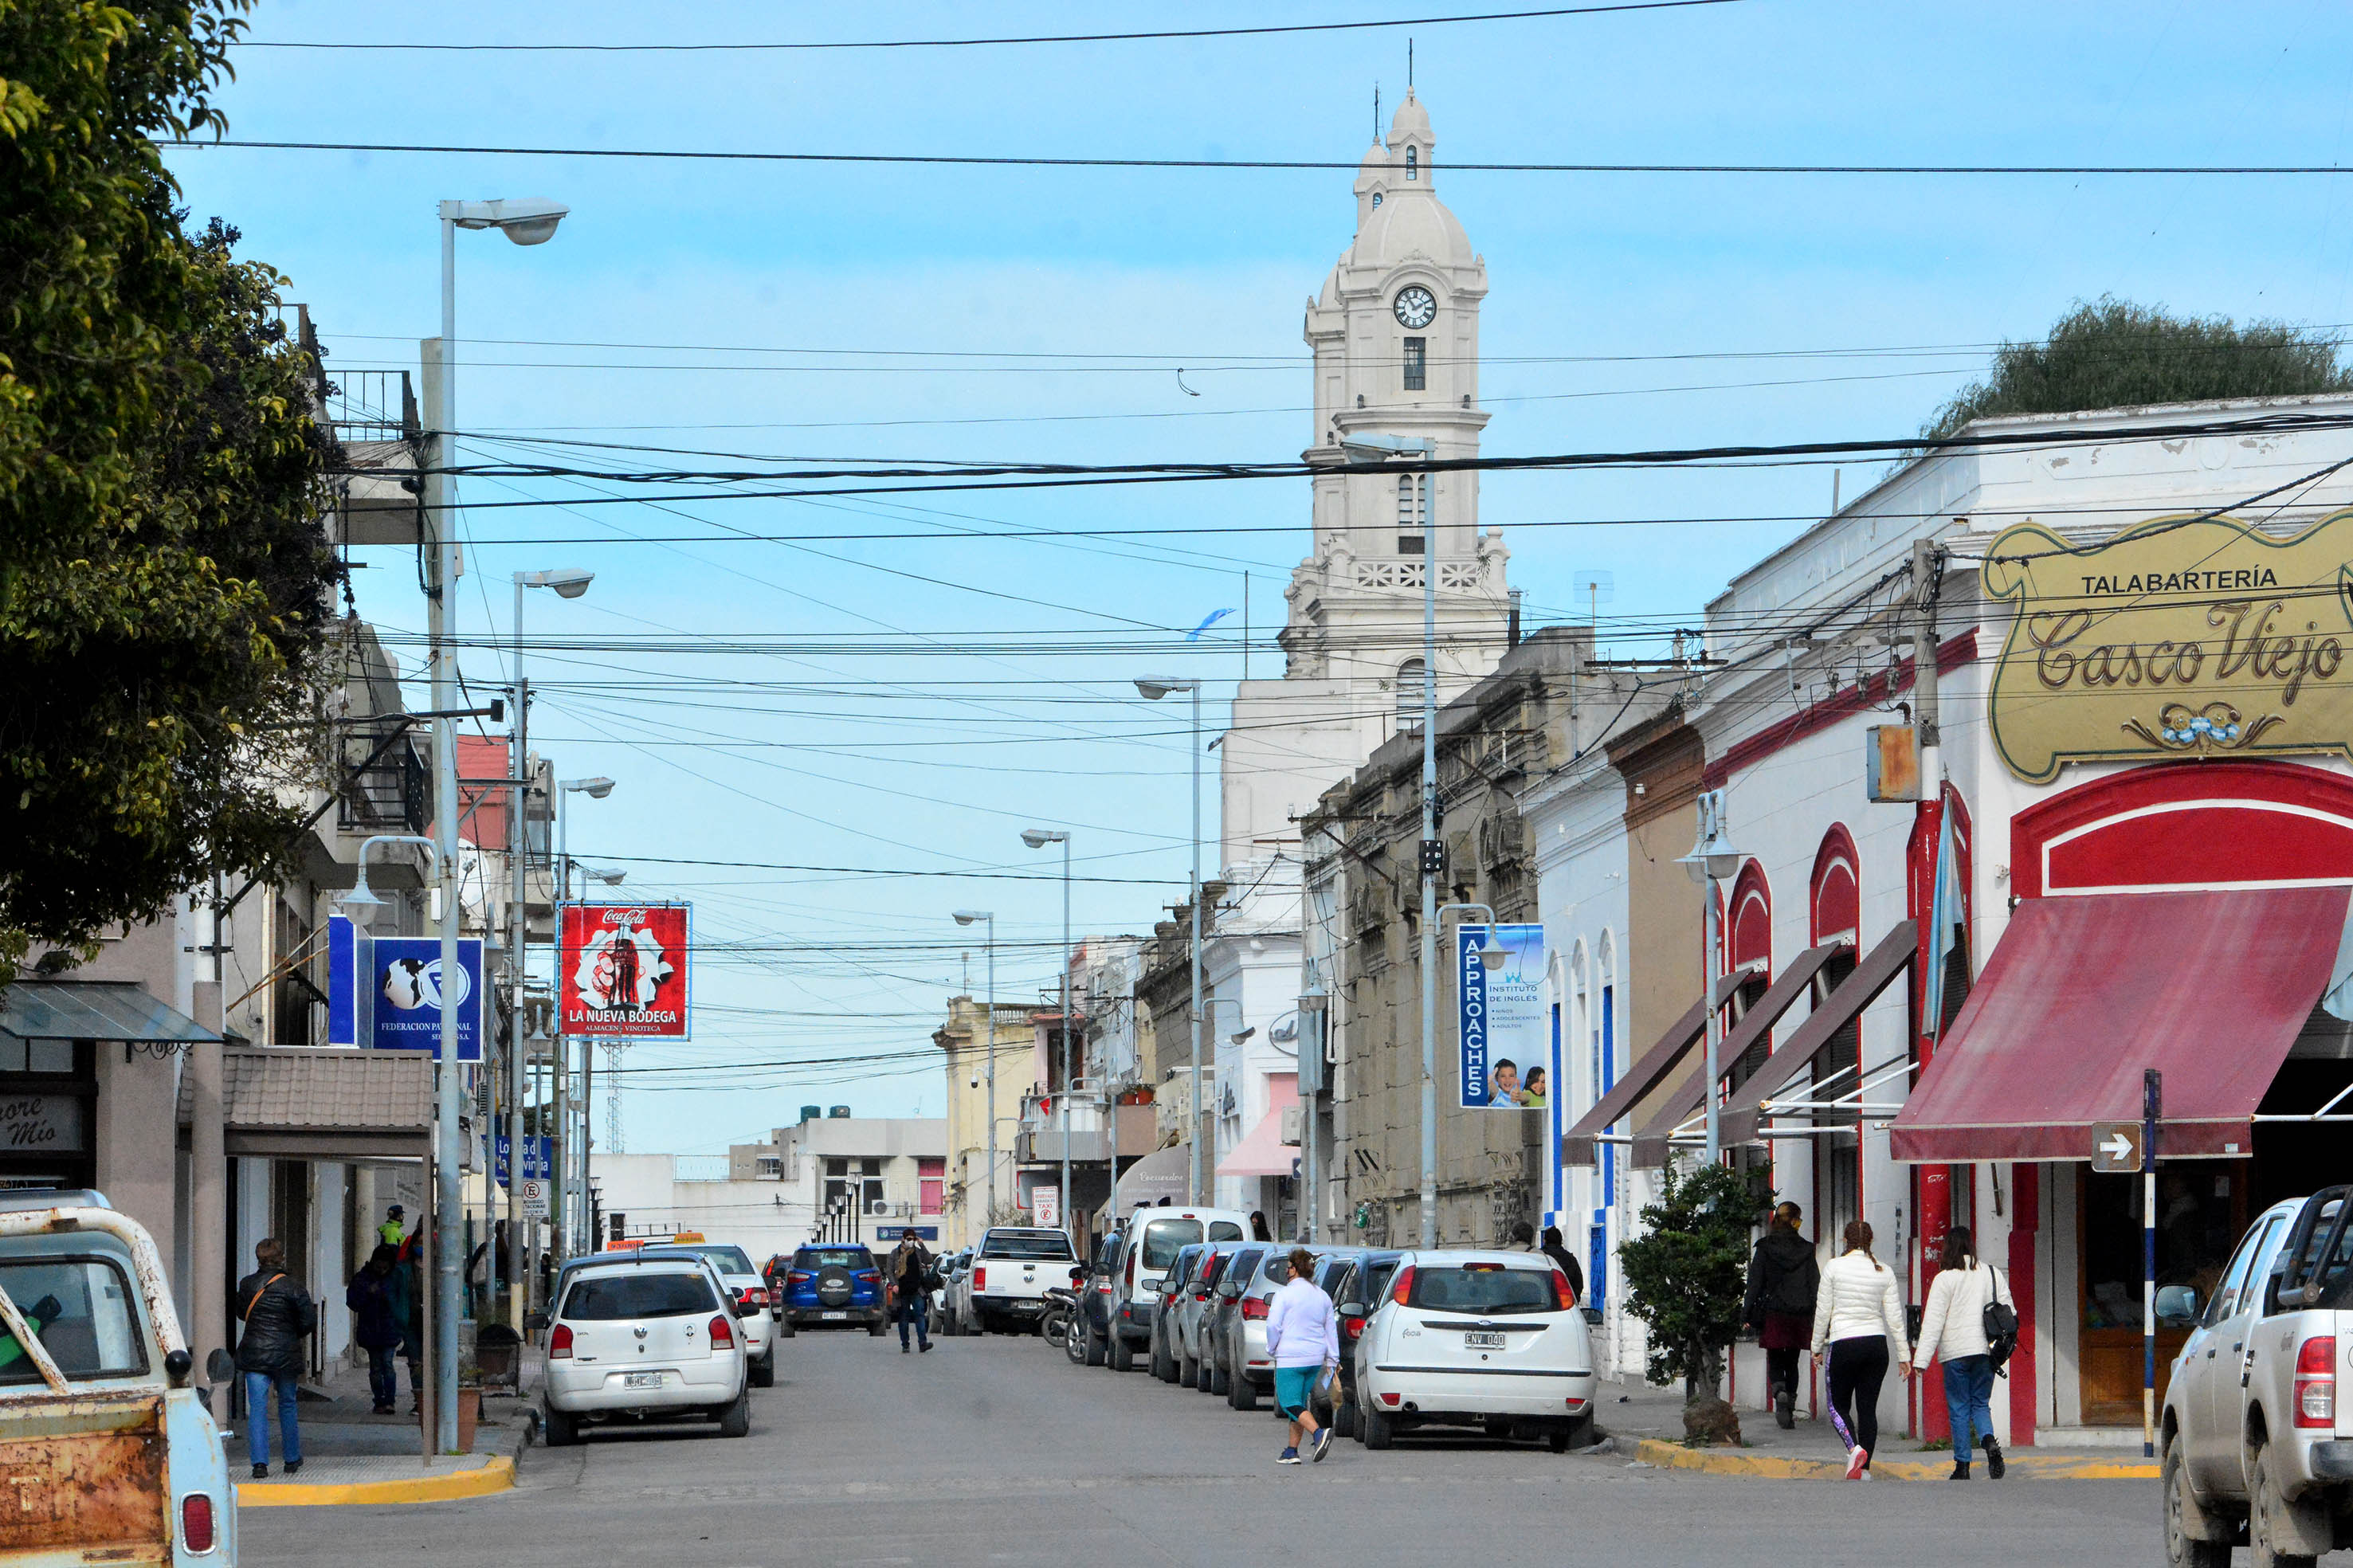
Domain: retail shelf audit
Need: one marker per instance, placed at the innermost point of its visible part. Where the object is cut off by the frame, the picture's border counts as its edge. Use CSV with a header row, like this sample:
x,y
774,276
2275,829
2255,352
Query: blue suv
x,y
830,1285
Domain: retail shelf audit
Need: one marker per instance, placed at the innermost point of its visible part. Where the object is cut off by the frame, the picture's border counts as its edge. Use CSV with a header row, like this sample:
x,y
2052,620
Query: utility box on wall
x,y
1890,763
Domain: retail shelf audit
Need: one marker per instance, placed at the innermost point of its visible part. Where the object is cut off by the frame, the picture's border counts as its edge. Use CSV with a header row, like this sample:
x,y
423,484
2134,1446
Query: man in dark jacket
x,y
911,1285
274,1316
1782,1279
377,1304
1562,1256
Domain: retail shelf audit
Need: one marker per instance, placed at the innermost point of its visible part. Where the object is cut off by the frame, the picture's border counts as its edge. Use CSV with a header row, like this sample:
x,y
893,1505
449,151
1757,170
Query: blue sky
x,y
1643,311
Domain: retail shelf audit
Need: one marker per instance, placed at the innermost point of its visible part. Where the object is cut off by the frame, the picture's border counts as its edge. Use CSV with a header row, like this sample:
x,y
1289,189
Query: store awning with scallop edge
x,y
2082,994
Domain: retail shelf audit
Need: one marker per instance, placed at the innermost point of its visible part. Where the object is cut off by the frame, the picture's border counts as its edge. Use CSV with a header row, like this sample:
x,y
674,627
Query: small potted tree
x,y
1685,1277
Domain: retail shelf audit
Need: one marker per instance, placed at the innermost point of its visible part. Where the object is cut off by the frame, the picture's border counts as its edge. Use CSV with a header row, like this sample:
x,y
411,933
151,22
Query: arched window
x,y
1413,163
1410,682
1409,527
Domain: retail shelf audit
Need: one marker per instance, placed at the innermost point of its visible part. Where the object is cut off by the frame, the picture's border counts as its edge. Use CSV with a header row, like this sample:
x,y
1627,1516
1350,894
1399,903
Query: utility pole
x,y
1433,851
450,1251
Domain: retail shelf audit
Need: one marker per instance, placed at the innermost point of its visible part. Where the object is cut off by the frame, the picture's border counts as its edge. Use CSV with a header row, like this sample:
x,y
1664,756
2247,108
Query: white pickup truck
x,y
109,1455
2257,1439
1012,1269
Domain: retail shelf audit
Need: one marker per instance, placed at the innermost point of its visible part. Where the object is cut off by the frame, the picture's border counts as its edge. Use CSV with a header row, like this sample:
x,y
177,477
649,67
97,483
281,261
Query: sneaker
x,y
1287,1456
262,1472
1323,1443
1856,1459
1995,1464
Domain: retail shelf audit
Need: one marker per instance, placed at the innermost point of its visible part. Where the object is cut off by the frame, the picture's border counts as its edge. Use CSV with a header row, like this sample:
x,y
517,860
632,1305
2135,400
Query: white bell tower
x,y
1395,332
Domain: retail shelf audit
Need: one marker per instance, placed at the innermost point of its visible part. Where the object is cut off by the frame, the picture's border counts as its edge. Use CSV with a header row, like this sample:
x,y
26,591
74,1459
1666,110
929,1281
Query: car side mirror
x,y
1593,1316
1150,1287
2177,1304
1229,1291
1351,1310
1077,1275
220,1367
535,1322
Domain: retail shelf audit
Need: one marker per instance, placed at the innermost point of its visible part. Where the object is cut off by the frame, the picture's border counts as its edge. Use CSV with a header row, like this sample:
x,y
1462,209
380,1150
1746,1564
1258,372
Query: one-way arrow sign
x,y
2115,1147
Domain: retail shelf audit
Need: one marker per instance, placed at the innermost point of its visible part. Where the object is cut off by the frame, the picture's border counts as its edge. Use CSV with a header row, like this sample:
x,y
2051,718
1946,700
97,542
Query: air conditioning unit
x,y
879,1207
1293,1120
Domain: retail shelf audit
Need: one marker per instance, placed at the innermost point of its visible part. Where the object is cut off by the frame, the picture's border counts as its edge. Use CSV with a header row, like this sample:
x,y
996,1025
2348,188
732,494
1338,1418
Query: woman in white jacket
x,y
1952,1329
1859,1322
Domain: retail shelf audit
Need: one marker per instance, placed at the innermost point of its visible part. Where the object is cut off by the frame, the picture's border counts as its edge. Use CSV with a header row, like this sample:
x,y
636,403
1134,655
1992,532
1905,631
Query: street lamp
x,y
1153,689
568,583
573,1120
1432,853
1712,860
1038,838
988,1033
527,221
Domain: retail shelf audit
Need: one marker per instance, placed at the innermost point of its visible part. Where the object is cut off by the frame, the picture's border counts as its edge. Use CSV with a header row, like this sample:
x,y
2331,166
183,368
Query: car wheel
x,y
561,1430
1161,1366
1188,1372
1377,1430
1559,1439
1103,1350
1344,1421
2271,1521
1497,1428
735,1421
785,1329
1217,1379
1119,1353
877,1328
2183,1514
1242,1393
764,1371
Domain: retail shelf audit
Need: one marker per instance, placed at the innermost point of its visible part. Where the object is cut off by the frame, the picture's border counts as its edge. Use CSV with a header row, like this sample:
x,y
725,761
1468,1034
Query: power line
x,y
963,160
817,46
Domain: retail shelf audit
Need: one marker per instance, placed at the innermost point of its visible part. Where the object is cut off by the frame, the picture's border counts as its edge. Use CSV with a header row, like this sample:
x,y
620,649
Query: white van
x,y
1147,1248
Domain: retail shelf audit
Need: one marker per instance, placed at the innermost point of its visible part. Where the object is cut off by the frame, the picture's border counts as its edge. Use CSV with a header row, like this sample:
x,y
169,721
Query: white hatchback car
x,y
646,1338
1474,1339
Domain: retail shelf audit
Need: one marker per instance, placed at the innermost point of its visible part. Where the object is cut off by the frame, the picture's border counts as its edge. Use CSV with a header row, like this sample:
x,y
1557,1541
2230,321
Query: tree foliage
x,y
1686,1275
2116,355
164,577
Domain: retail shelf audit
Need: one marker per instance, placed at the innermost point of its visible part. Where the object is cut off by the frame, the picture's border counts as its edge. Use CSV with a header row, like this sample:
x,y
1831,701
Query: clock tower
x,y
1395,333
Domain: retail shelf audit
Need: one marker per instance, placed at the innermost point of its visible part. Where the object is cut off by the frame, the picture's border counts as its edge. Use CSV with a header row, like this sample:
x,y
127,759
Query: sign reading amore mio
x,y
2196,638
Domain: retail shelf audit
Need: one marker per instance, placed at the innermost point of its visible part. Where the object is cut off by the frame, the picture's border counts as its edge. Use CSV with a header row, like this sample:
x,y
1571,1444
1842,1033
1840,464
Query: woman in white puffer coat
x,y
1952,1331
1859,1322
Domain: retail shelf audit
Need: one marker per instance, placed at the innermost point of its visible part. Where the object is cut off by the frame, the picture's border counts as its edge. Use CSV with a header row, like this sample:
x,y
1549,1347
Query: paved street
x,y
998,1450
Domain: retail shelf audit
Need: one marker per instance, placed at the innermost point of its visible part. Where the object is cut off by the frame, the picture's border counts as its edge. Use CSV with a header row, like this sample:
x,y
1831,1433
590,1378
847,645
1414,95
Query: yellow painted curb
x,y
1763,1467
497,1476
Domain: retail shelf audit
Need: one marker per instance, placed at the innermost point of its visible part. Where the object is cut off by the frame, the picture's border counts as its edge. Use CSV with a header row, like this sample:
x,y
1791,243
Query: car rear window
x,y
1224,1230
726,1259
1375,1282
648,1294
1485,1288
1245,1264
1162,1238
79,1309
833,1258
1050,1244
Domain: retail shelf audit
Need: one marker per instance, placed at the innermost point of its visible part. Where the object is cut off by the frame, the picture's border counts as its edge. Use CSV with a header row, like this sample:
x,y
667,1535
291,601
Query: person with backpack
x,y
1857,1319
1783,1280
1970,1325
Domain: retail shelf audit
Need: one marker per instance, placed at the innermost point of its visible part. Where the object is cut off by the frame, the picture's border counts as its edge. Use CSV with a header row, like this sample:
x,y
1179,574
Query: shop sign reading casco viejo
x,y
2178,637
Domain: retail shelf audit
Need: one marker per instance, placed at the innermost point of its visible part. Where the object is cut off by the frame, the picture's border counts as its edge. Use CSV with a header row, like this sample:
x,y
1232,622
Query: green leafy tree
x,y
2116,355
1686,1274
164,577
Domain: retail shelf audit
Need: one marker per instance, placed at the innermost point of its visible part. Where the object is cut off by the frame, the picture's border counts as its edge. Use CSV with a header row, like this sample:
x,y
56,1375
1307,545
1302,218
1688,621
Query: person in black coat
x,y
1556,1249
274,1316
378,1302
1783,1278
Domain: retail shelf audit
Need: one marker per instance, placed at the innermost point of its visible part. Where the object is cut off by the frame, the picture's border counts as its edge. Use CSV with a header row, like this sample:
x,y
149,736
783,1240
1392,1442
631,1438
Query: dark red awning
x,y
2083,994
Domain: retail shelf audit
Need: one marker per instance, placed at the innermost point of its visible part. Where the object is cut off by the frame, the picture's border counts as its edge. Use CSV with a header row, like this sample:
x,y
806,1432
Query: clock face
x,y
1416,306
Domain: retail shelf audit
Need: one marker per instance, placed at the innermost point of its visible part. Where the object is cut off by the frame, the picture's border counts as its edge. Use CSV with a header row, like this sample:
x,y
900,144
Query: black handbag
x,y
2000,1323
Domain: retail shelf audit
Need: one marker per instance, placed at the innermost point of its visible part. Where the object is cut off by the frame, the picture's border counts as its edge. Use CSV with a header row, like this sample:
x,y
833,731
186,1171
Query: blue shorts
x,y
1294,1388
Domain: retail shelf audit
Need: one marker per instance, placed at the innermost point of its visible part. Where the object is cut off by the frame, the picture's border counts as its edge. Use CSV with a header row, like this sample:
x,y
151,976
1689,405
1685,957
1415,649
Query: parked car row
x,y
1486,1339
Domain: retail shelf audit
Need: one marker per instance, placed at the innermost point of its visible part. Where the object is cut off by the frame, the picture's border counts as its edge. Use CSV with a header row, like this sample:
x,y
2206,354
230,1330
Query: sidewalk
x,y
1648,1424
350,1457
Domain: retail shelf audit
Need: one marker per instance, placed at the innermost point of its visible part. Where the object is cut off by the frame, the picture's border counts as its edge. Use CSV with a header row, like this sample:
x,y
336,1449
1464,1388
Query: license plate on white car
x,y
1476,1341
641,1380
834,1317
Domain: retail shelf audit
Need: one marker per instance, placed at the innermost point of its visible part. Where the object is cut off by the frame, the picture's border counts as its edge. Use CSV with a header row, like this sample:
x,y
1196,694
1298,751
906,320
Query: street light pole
x,y
1038,838
571,1117
988,1036
1712,860
1153,690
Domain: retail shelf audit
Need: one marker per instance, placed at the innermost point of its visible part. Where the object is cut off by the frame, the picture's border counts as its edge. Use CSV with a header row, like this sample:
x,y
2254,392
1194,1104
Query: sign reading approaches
x,y
385,992
624,970
2184,639
1505,1037
2115,1147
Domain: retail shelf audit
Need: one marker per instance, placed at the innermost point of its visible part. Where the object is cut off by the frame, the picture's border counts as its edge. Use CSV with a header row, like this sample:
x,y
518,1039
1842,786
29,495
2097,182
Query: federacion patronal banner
x,y
1505,1035
624,970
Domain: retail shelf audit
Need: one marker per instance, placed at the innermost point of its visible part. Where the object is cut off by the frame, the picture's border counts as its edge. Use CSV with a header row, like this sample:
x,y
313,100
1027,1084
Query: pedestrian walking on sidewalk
x,y
1952,1329
1858,1322
1303,1335
911,1289
375,1299
274,1316
1783,1280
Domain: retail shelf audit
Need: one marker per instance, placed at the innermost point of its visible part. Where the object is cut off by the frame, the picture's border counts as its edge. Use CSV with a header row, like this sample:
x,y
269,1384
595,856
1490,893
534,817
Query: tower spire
x,y
1376,112
1409,64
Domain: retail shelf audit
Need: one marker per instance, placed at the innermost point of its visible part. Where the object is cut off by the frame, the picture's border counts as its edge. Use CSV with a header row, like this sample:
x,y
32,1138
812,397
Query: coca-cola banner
x,y
623,970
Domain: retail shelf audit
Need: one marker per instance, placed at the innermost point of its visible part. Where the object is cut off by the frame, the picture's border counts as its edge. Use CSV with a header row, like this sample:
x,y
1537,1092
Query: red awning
x,y
2083,994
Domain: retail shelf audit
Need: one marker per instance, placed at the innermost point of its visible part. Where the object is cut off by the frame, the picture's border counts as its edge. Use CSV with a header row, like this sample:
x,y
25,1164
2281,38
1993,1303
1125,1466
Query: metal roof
x,y
93,1010
301,1103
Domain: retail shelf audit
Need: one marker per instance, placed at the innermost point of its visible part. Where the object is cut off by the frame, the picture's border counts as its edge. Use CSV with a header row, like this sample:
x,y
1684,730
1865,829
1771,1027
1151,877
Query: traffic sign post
x,y
531,1193
2117,1148
2152,1100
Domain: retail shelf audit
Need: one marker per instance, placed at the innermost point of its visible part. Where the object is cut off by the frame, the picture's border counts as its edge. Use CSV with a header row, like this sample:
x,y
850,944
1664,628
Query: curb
x,y
497,1476
1760,1466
